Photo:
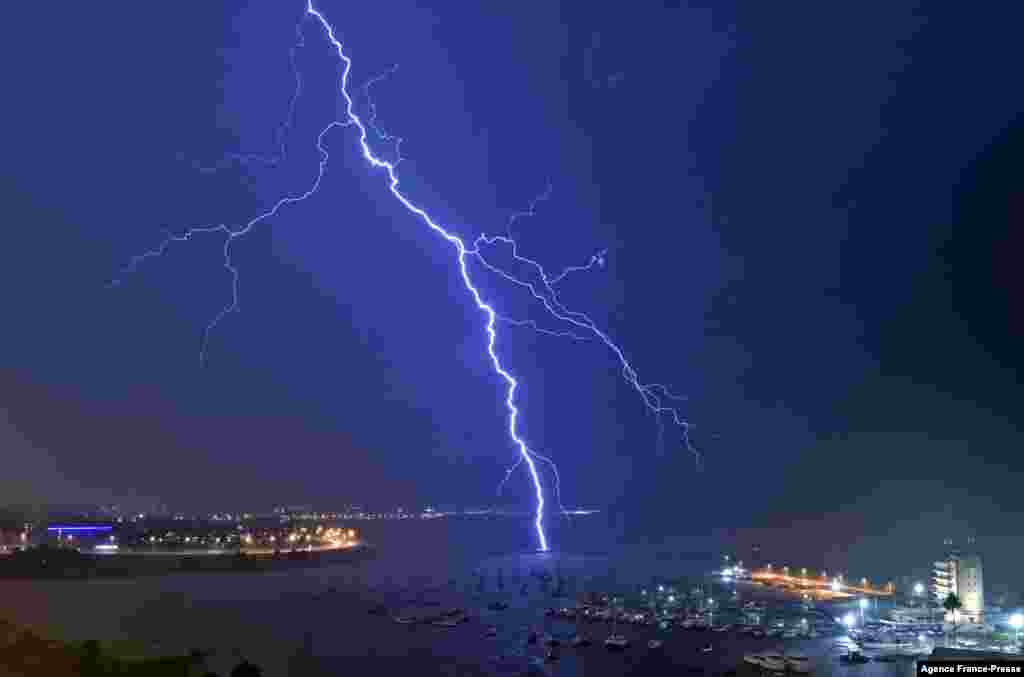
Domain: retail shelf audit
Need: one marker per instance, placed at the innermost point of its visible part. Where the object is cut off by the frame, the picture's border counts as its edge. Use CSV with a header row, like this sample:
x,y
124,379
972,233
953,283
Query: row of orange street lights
x,y
836,586
336,537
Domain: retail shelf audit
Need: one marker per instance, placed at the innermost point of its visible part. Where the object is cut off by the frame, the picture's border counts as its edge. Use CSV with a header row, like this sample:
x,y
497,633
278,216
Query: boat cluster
x,y
852,650
595,614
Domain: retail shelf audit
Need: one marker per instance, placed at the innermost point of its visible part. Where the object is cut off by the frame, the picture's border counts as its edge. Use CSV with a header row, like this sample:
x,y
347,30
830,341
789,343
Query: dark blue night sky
x,y
811,216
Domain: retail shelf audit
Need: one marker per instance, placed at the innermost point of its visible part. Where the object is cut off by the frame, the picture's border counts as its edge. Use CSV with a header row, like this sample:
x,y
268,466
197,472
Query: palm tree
x,y
952,604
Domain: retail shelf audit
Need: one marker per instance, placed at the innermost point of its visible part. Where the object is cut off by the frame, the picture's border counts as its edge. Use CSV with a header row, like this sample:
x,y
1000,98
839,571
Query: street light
x,y
1016,621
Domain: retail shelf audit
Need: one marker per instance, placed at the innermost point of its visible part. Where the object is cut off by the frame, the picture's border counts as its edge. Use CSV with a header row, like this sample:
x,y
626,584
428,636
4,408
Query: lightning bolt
x,y
656,397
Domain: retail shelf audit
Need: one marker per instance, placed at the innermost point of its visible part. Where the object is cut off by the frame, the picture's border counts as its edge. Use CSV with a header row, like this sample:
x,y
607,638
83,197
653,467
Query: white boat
x,y
616,642
766,662
654,644
405,620
798,663
720,628
707,649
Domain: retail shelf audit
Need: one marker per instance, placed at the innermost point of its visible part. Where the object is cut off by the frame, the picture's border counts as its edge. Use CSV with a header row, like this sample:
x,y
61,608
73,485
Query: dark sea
x,y
316,621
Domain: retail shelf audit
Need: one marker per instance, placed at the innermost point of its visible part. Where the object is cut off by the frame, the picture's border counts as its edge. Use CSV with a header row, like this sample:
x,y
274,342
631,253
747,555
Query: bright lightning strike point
x,y
653,395
460,248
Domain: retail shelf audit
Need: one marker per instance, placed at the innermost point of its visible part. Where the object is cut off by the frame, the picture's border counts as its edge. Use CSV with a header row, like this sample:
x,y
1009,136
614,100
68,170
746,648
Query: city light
x,y
849,620
836,585
919,589
863,604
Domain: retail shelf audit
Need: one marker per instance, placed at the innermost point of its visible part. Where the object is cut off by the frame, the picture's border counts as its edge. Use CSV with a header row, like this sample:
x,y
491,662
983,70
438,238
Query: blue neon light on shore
x,y
80,528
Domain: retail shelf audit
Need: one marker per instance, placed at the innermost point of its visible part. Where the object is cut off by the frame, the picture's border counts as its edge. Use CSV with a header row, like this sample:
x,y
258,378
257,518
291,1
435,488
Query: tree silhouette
x,y
952,604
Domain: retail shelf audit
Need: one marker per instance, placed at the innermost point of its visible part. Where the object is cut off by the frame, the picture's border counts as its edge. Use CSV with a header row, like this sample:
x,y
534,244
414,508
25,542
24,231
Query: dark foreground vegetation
x,y
23,652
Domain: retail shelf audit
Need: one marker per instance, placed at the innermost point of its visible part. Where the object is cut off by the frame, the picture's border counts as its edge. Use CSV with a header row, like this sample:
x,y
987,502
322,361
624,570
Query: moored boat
x,y
617,642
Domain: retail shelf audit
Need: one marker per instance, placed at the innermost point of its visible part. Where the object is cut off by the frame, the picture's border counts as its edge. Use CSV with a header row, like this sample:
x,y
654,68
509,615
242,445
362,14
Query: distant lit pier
x,y
801,581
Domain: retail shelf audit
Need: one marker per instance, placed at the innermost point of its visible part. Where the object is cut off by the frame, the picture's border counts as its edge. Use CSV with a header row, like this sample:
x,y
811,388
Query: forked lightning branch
x,y
657,398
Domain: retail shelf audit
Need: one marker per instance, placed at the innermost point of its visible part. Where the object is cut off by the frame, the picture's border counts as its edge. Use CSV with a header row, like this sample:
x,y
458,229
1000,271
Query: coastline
x,y
129,564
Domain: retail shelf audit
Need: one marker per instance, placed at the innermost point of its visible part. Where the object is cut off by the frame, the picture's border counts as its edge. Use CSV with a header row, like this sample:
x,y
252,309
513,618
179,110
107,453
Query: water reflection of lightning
x,y
542,286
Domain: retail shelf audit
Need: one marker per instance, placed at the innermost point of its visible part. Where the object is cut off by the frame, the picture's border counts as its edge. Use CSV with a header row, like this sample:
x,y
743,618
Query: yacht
x,y
707,649
720,628
753,659
616,642
580,640
405,620
772,662
798,663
